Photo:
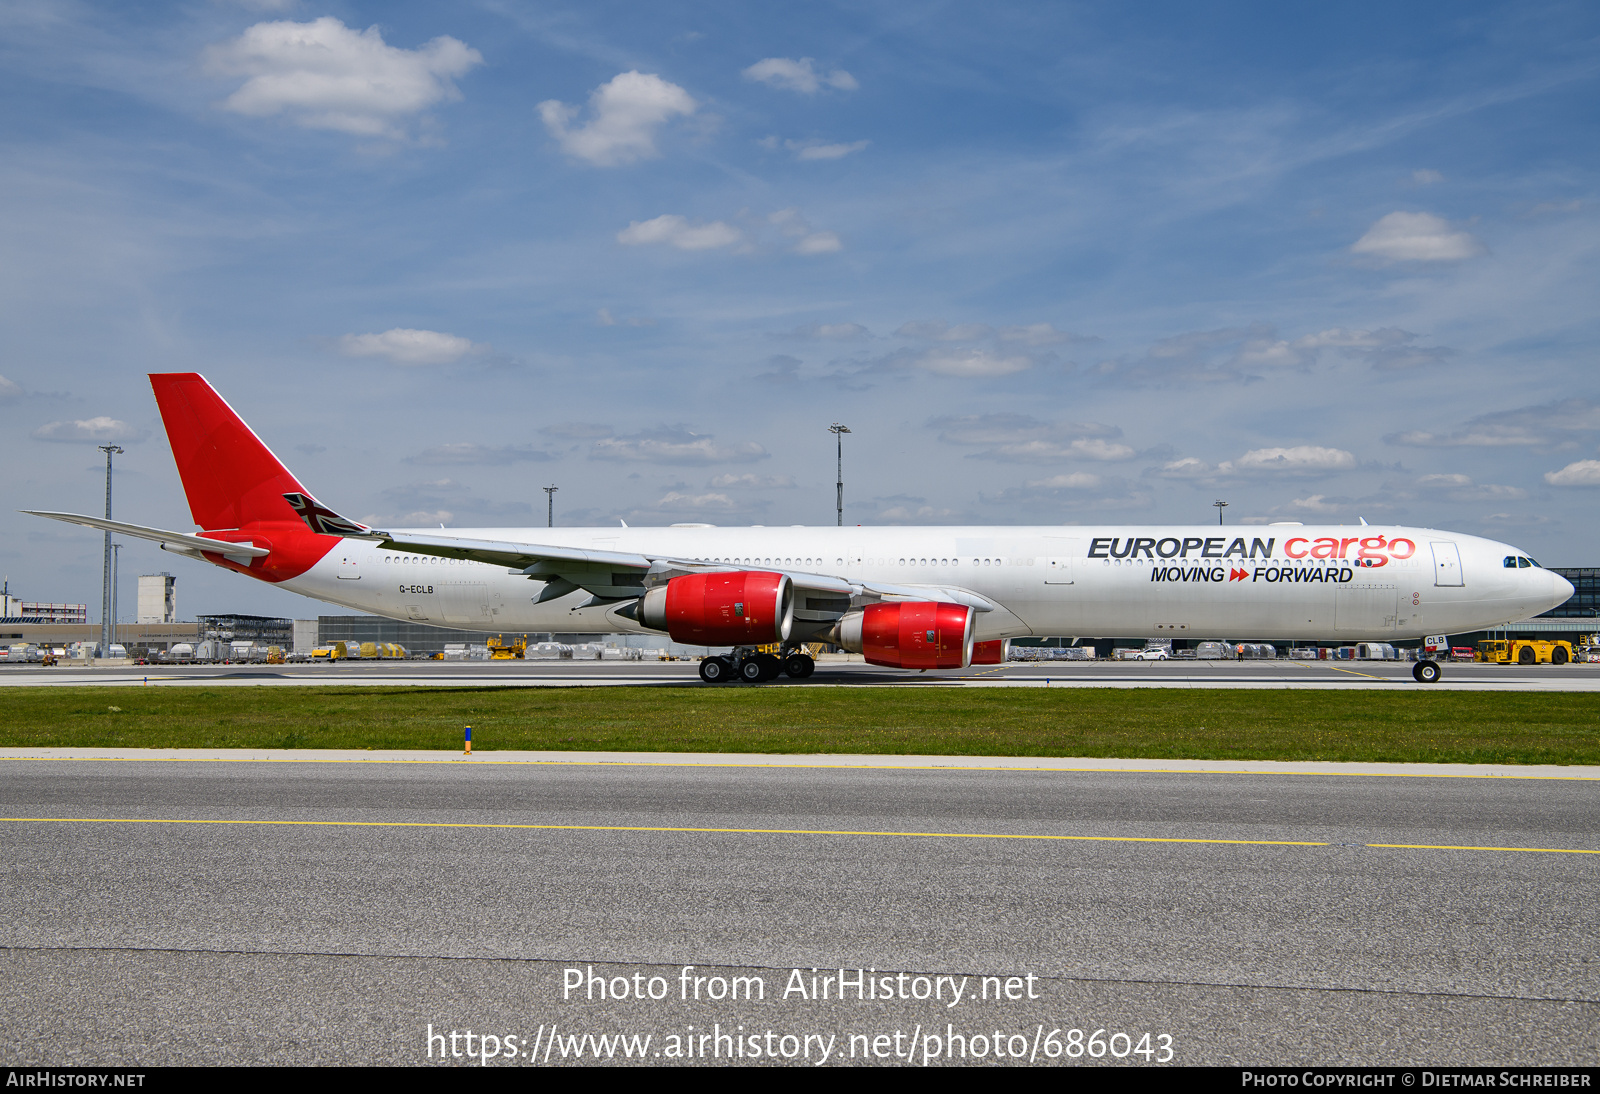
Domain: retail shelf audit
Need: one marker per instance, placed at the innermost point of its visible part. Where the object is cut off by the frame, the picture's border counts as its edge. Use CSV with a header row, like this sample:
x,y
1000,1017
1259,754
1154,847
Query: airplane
x,y
911,598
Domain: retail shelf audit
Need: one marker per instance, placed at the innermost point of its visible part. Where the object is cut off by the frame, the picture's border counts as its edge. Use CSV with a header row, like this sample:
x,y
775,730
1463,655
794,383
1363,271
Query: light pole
x,y
116,568
838,432
1221,505
550,506
105,577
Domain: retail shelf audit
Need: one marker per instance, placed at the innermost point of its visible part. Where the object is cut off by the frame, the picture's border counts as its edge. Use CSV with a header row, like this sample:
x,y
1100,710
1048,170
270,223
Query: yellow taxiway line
x,y
771,832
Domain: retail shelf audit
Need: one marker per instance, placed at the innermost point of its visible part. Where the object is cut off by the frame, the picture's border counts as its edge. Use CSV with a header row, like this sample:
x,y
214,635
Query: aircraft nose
x,y
1561,590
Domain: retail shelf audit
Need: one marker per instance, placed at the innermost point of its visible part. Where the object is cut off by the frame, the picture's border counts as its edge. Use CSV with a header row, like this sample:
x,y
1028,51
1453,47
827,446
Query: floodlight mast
x,y
838,432
1221,505
105,576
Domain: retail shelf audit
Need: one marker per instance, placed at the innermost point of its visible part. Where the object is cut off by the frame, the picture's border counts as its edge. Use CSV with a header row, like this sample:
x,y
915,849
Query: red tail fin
x,y
229,476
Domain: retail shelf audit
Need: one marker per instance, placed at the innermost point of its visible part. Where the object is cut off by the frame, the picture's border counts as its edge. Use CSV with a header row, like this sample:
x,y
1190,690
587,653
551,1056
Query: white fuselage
x,y
1187,582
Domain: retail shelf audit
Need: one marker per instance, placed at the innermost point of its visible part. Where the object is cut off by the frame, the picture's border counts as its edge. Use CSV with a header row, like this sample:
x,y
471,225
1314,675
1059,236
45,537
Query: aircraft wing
x,y
949,594
565,569
179,540
547,560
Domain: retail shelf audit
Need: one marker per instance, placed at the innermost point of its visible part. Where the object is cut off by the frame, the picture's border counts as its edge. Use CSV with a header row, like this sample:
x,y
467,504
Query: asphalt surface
x,y
341,937
1281,673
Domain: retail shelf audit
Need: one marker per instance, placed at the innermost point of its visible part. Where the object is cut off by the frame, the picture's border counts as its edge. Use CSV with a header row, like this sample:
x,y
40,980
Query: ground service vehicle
x,y
1524,651
902,597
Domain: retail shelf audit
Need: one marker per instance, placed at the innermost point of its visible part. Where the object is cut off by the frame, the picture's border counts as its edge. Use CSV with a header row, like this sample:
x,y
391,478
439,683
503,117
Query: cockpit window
x,y
1523,563
1535,564
1510,562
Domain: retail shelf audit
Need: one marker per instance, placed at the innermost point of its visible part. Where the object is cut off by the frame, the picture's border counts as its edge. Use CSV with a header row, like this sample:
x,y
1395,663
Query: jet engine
x,y
917,634
991,653
746,608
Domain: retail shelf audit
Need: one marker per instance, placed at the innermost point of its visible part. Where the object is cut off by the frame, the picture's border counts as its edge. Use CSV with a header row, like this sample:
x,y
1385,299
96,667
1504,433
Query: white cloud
x,y
675,500
1481,437
675,231
1303,457
817,150
577,431
1189,467
1458,487
792,224
1581,473
1318,503
427,518
832,332
1038,334
801,75
1555,207
748,481
677,446
1076,480
9,389
624,116
480,454
1416,237
1047,451
1019,438
604,317
1426,176
1528,426
819,243
325,75
404,346
968,362
100,429
937,330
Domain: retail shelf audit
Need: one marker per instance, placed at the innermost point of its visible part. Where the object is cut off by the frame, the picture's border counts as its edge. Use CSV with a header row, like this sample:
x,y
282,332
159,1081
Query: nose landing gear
x,y
1426,672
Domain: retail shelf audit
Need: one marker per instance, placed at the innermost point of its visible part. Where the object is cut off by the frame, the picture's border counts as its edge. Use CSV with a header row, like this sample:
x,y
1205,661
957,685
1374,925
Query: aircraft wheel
x,y
771,667
1558,656
752,671
799,666
1526,656
1426,672
715,670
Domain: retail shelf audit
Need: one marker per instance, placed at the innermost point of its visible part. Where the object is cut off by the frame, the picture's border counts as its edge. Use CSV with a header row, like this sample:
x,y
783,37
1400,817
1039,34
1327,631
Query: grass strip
x,y
1506,727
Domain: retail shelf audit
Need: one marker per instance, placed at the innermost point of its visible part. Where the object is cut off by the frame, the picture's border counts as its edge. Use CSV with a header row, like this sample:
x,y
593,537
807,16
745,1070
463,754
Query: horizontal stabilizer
x,y
157,535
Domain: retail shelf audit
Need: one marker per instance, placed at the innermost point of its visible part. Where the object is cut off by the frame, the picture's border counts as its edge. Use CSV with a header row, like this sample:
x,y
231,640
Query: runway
x,y
1113,674
222,911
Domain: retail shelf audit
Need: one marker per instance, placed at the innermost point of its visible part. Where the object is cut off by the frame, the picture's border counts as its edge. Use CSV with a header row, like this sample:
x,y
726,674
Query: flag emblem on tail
x,y
324,521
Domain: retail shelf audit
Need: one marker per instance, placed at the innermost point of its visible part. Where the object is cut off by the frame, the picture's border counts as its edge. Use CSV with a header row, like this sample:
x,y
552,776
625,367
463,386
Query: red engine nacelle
x,y
746,608
918,634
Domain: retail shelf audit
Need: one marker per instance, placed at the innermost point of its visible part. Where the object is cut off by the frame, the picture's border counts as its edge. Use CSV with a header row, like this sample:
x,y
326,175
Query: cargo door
x,y
1446,564
1364,610
1059,559
465,602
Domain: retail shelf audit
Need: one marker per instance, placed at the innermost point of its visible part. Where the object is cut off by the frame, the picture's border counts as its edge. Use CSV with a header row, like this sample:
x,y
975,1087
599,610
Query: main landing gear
x,y
1426,672
754,667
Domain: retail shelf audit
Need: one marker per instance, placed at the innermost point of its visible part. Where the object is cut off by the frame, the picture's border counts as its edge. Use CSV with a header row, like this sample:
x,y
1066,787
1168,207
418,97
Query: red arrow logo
x,y
1238,575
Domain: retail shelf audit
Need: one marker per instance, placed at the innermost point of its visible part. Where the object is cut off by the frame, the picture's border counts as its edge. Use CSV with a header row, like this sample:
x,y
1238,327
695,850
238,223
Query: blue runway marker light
x,y
469,741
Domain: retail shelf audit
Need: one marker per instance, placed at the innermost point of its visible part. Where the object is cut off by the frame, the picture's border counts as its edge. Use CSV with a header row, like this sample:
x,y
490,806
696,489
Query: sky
x,y
1051,263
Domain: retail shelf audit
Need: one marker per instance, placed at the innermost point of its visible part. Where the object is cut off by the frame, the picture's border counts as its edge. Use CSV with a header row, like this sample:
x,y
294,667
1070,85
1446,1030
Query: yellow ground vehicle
x,y
1524,651
501,650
